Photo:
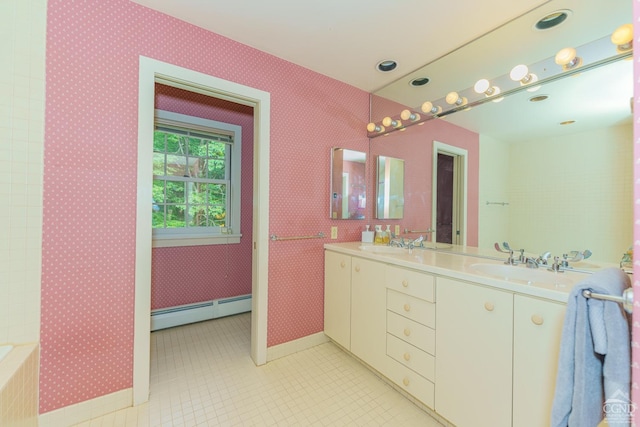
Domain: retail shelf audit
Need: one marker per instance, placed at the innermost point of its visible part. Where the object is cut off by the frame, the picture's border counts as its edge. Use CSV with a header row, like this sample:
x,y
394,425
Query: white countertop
x,y
465,263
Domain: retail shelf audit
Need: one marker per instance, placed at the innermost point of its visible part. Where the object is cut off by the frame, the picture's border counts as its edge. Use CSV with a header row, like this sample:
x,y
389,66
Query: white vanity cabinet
x,y
478,354
337,298
368,336
497,356
474,343
537,331
411,335
354,306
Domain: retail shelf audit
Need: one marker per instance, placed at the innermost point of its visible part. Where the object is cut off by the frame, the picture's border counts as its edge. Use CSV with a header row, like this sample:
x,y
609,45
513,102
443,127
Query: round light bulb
x,y
481,86
565,56
622,37
405,115
452,98
386,121
371,127
427,107
519,72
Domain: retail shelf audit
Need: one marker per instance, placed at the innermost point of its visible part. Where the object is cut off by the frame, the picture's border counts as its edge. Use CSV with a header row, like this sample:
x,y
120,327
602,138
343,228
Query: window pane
x,y
157,217
197,147
175,216
217,194
176,165
198,216
175,192
197,193
158,192
195,167
158,141
158,164
175,144
216,169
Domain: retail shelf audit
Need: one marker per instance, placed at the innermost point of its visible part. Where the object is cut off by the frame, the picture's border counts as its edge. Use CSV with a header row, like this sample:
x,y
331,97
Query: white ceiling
x,y
345,39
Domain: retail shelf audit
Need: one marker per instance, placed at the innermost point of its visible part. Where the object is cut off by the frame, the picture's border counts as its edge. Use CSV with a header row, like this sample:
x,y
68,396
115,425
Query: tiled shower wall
x,y
22,95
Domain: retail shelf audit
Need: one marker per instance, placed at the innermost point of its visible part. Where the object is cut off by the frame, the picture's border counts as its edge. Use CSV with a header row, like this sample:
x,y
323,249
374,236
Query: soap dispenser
x,y
378,235
386,238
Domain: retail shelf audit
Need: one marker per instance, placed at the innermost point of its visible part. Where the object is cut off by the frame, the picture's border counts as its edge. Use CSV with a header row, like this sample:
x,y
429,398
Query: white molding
x,y
84,411
290,347
150,72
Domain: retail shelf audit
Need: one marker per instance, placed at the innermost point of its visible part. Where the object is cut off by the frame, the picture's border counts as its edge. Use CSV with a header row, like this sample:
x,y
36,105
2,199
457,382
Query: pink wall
x,y
90,183
416,148
185,275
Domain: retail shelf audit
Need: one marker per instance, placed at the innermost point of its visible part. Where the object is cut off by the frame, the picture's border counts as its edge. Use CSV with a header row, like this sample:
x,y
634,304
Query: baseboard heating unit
x,y
190,313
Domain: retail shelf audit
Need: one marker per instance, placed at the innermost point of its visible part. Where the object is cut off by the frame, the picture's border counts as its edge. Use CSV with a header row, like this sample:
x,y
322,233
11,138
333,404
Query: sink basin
x,y
523,274
379,249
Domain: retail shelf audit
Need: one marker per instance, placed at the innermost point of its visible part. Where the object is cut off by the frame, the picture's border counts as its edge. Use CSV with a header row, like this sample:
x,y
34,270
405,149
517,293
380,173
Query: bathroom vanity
x,y
473,339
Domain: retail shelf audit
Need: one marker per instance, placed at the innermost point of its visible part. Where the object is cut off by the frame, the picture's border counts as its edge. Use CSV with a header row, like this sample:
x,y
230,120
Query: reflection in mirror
x,y
348,185
540,186
390,188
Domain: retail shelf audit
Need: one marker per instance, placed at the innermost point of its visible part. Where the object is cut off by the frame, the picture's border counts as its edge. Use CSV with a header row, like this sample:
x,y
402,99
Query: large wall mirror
x,y
348,198
534,182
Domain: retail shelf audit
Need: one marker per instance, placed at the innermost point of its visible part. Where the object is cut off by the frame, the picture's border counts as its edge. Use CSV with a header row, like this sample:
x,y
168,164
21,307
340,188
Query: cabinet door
x,y
537,331
474,336
368,312
337,298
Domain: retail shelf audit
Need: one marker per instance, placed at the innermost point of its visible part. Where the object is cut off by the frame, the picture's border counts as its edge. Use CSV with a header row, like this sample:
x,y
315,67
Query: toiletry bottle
x,y
378,235
386,238
367,236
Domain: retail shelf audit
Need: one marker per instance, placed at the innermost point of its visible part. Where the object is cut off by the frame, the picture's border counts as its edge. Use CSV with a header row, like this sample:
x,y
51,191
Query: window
x,y
196,181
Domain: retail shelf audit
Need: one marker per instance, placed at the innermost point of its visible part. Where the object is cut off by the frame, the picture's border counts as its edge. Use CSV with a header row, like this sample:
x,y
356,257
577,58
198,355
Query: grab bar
x,y
406,230
498,203
626,299
315,236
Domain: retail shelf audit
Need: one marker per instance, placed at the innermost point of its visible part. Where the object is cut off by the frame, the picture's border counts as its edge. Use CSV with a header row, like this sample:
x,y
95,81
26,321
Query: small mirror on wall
x,y
390,188
348,189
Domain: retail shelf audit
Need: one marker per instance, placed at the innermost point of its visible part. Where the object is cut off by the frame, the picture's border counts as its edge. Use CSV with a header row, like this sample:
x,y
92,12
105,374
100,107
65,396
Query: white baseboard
x,y
287,348
84,411
190,313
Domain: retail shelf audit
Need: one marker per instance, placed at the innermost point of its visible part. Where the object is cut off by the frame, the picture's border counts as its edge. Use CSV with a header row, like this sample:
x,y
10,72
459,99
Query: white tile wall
x,y
22,99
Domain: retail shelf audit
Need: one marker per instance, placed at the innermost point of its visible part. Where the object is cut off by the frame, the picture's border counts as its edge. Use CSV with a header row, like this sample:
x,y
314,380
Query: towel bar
x,y
626,299
315,236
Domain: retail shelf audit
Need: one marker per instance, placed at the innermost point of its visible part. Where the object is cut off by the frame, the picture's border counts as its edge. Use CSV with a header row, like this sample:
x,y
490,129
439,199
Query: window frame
x,y
194,236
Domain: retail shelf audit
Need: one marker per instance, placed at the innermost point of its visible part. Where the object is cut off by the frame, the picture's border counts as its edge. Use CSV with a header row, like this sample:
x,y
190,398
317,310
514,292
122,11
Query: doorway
x,y
152,72
449,202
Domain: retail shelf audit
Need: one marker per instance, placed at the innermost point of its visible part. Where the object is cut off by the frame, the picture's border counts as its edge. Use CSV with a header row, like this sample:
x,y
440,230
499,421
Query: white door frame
x,y
440,147
152,71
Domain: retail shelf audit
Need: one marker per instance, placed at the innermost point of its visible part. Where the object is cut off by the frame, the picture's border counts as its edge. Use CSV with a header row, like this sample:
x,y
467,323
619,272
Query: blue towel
x,y
595,355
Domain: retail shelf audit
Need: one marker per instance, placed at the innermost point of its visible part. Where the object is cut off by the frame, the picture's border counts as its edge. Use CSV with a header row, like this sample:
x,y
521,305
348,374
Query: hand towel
x,y
595,356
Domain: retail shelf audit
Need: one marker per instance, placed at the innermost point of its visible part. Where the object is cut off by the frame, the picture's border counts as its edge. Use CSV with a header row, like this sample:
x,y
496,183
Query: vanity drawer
x,y
412,357
411,382
413,308
412,332
411,282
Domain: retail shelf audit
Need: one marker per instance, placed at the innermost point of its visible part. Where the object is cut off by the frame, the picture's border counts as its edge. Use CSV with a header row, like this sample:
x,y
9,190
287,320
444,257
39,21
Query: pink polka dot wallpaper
x,y
89,204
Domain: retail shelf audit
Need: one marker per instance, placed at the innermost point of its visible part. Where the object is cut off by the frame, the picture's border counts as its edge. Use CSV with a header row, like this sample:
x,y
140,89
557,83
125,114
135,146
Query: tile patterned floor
x,y
202,375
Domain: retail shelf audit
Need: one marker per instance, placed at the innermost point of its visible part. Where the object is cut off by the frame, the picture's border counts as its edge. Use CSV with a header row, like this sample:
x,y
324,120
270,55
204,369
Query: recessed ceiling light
x,y
567,122
386,65
419,81
538,98
552,19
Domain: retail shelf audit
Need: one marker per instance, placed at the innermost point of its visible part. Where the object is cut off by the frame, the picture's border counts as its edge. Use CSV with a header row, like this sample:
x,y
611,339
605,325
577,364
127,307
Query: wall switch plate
x,y
334,232
397,231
